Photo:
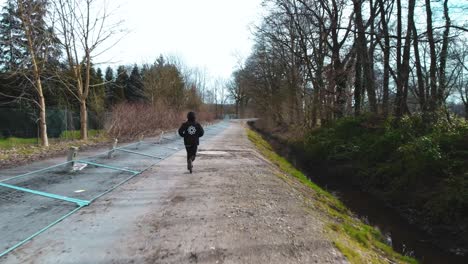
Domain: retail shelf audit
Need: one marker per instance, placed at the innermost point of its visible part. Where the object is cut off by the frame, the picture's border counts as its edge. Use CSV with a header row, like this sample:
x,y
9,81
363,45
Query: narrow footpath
x,y
232,209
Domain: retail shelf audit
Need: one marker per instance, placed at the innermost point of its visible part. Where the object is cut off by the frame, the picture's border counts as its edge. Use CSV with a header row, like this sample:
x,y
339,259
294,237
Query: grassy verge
x,y
359,242
12,142
16,151
75,134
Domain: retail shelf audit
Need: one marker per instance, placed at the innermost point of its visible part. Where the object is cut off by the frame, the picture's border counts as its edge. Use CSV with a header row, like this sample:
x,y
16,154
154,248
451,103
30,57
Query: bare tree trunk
x,y
338,67
83,97
386,59
401,106
357,86
315,106
292,75
370,53
339,80
421,91
27,27
406,56
83,120
399,85
43,122
364,54
443,55
433,56
318,91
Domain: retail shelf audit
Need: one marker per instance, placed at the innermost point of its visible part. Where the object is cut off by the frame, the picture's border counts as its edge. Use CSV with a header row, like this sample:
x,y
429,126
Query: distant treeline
x,y
316,61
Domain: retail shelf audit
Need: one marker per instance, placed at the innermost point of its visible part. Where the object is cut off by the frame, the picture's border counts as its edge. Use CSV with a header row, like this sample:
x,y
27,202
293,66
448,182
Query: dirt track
x,y
232,209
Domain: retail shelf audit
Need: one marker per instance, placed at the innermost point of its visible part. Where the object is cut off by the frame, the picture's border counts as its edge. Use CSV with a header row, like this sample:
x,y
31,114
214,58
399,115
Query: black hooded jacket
x,y
191,131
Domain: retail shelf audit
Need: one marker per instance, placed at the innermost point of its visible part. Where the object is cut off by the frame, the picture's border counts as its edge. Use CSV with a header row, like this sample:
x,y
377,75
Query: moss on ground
x,y
360,243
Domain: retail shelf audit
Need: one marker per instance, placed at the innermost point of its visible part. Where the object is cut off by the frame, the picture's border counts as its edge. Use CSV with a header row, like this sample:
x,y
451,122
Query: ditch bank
x,y
401,231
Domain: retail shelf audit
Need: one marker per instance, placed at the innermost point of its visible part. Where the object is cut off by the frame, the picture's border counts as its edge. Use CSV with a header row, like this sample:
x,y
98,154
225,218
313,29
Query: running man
x,y
191,131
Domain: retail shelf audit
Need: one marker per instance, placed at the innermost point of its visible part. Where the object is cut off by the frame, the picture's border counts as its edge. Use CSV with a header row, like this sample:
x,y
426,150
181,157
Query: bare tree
x,y
237,91
403,67
26,10
316,56
461,56
386,53
363,54
85,29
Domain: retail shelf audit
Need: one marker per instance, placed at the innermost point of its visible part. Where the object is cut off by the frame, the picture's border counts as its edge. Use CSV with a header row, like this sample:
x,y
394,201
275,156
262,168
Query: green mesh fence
x,y
33,201
23,123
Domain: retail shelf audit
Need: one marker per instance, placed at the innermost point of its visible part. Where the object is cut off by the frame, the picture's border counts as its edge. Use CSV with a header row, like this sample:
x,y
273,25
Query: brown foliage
x,y
129,120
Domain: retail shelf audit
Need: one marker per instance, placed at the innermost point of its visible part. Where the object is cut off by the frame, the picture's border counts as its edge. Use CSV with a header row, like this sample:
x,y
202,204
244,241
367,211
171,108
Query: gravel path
x,y
232,209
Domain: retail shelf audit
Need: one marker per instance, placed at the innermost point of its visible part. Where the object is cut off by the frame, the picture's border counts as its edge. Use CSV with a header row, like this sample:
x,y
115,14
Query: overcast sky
x,y
211,34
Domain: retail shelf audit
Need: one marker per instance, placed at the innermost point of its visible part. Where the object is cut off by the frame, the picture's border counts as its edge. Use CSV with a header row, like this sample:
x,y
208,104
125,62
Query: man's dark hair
x,y
191,116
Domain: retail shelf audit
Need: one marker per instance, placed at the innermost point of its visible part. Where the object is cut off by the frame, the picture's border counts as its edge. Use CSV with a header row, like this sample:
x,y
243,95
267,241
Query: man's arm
x,y
201,132
182,130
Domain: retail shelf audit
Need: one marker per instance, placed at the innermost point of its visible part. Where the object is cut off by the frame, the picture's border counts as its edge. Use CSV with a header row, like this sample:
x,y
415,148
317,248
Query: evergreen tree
x,y
15,58
46,42
96,99
12,40
134,91
99,75
121,83
144,69
14,53
109,87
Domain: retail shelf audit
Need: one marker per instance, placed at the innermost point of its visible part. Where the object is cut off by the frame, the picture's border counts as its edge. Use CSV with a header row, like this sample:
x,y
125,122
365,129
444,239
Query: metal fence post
x,y
72,154
140,140
110,155
161,137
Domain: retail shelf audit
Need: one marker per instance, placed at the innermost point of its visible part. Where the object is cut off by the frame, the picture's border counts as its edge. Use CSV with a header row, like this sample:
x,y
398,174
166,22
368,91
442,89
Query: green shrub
x,y
404,161
449,204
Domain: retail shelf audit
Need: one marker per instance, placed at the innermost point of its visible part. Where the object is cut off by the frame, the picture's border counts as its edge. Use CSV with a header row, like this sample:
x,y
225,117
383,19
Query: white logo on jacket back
x,y
191,130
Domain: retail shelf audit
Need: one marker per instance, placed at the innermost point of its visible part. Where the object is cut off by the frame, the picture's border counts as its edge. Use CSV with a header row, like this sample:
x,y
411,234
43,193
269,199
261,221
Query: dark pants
x,y
191,152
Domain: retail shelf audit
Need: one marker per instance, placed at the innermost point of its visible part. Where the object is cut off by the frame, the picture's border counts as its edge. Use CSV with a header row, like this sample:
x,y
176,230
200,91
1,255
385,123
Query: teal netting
x,y
33,201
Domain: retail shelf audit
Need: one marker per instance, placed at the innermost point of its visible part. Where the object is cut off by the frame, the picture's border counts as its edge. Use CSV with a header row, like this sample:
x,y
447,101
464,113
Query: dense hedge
x,y
413,166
